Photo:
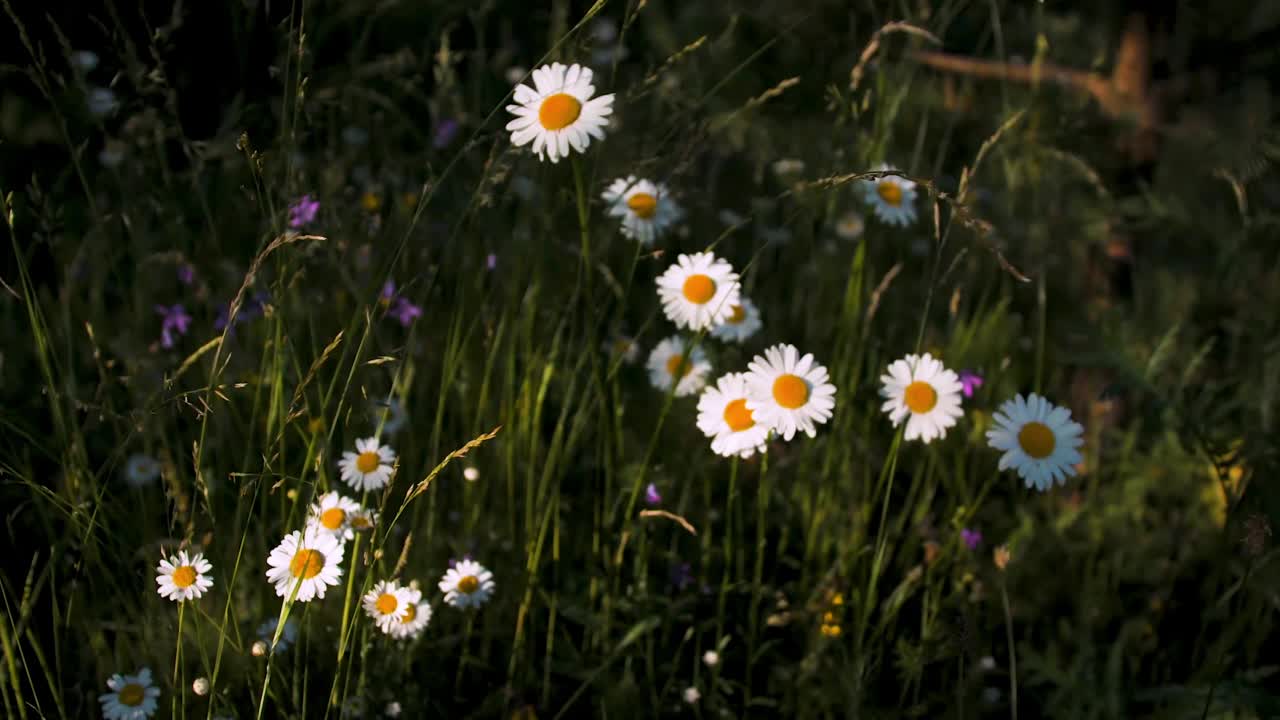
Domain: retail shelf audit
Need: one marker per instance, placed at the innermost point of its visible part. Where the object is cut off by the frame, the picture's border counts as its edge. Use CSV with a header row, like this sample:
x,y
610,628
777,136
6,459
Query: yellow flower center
x,y
737,416
184,577
333,518
307,564
1037,440
643,205
469,584
559,111
387,603
920,397
699,289
790,391
367,462
410,613
131,695
890,192
673,364
370,202
736,315
360,522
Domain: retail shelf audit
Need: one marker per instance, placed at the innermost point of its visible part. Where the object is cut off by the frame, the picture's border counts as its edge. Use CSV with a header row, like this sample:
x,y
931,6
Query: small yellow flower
x,y
316,425
371,202
831,631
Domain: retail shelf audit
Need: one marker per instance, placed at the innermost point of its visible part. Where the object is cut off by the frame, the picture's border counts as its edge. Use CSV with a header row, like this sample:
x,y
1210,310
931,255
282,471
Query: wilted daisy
x,y
645,207
141,469
387,603
288,636
723,416
1039,440
699,291
417,615
668,359
558,113
892,198
742,323
182,577
788,392
307,560
132,697
923,392
370,467
467,584
333,513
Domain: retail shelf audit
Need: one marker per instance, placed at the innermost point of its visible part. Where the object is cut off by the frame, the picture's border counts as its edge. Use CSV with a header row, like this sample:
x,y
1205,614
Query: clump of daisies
x,y
699,291
417,614
388,604
467,584
674,362
892,198
333,513
309,561
724,417
924,393
558,113
788,392
645,208
742,322
1039,440
182,577
132,697
368,468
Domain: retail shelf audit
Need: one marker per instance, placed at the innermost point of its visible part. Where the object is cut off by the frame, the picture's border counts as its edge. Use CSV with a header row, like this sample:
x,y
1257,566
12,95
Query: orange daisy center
x,y
559,111
643,205
469,584
387,603
184,577
920,397
306,564
333,518
699,289
673,365
367,462
736,315
890,192
790,391
737,416
1037,440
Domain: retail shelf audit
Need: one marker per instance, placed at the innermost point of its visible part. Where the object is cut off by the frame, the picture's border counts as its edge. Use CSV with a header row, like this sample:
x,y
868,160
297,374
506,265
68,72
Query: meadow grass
x,y
461,301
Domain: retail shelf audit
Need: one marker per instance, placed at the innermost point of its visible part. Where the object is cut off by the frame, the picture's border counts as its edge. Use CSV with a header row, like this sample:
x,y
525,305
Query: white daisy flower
x,y
924,392
624,347
467,584
788,392
141,469
388,603
850,226
1039,440
742,323
558,113
370,467
416,617
645,207
668,358
182,577
723,416
893,199
308,560
132,697
333,514
288,636
699,291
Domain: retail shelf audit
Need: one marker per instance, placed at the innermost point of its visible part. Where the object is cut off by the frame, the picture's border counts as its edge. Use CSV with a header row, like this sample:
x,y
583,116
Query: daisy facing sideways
x,y
416,616
668,364
742,323
370,467
788,392
558,113
924,393
388,603
723,416
699,291
892,198
307,560
467,584
333,513
645,208
1039,440
182,577
132,697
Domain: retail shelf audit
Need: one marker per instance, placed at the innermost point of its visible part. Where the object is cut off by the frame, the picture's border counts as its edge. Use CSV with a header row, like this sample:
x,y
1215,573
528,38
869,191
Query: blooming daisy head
x,y
416,616
307,560
646,208
699,291
467,584
132,697
724,417
558,112
743,322
674,362
369,467
288,635
924,393
363,519
850,226
892,198
183,577
388,603
141,469
787,392
332,513
1039,440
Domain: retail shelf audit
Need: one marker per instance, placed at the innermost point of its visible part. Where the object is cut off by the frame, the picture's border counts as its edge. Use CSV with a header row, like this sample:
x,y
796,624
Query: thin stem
x,y
177,659
1013,658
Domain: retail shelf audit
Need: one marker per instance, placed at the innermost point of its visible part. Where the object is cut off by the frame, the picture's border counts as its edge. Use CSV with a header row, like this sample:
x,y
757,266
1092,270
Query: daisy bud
x,y
471,473
711,658
259,649
200,686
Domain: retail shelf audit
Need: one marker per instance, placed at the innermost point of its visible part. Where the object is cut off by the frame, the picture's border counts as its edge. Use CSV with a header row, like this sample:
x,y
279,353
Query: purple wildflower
x,y
970,382
251,308
972,538
651,496
388,291
445,131
186,273
491,262
303,211
405,311
174,319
